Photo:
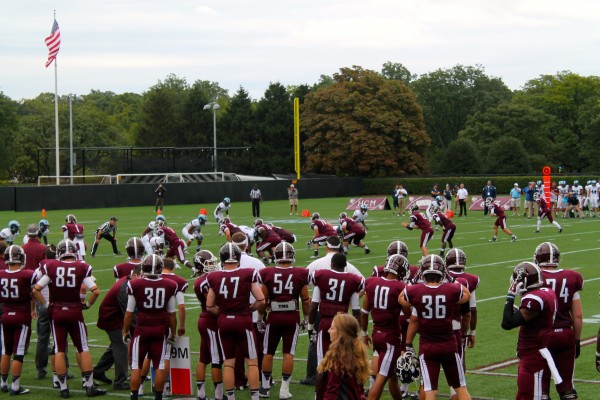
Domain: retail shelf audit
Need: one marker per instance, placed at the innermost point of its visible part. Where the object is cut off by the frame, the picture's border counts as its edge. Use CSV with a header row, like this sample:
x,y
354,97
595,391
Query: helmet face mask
x,y
363,208
14,226
205,261
316,215
226,201
529,274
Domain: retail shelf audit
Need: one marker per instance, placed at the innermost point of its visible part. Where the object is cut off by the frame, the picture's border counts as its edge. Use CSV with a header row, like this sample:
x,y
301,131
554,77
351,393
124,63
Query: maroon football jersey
x,y
152,298
353,226
15,290
433,306
543,206
323,227
420,221
564,283
233,228
378,271
444,220
74,230
532,335
496,209
110,314
336,290
35,253
233,289
66,278
284,234
284,284
182,283
201,290
472,280
383,298
124,269
168,234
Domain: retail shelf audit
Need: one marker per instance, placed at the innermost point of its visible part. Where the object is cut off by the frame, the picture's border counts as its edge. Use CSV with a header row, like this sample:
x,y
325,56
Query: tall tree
x,y
461,157
364,124
9,124
507,156
397,72
449,96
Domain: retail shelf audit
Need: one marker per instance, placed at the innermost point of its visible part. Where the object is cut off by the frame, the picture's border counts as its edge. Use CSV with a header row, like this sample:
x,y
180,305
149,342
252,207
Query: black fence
x,y
32,198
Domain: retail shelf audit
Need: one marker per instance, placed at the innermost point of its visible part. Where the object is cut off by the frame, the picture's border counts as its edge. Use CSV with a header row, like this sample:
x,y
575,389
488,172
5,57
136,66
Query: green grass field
x,y
493,262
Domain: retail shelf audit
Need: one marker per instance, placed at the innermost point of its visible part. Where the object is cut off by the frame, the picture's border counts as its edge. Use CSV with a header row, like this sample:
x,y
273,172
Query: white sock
x,y
539,224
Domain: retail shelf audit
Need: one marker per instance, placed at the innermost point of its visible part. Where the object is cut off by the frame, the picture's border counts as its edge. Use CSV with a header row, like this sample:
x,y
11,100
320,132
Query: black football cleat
x,y
64,394
93,391
20,390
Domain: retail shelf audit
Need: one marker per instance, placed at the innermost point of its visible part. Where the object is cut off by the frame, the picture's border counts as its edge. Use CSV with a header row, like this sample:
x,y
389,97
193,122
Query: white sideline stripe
x,y
520,259
516,361
476,372
71,390
504,296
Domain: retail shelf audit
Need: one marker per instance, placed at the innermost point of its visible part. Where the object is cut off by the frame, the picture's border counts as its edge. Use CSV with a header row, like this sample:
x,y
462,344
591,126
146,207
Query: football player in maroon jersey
x,y
498,211
449,229
268,241
564,343
111,314
333,293
283,233
229,298
545,212
154,299
177,246
353,232
16,282
322,230
456,263
419,221
432,301
380,300
64,278
75,232
534,318
228,228
282,286
210,349
135,251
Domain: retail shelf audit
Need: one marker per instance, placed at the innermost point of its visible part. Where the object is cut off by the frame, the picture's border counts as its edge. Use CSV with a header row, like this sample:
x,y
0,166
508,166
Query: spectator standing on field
x,y
435,191
448,197
463,197
515,199
256,197
160,197
530,204
401,193
489,191
293,196
34,250
395,199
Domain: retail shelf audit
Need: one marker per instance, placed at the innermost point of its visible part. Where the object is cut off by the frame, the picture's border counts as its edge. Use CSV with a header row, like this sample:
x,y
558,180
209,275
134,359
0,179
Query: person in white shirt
x,y
401,193
463,198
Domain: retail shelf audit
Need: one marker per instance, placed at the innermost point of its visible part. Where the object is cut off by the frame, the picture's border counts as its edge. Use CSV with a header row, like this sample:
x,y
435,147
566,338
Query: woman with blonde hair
x,y
345,367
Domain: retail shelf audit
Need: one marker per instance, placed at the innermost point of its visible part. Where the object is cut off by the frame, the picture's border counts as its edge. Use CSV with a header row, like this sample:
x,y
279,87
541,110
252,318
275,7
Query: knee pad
x,y
216,366
568,395
20,359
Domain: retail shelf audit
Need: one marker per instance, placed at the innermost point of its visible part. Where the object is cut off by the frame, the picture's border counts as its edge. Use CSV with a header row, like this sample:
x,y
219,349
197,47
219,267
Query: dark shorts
x,y
388,347
501,222
561,344
15,338
548,215
432,356
177,250
148,342
268,244
426,236
533,377
67,320
448,234
237,331
210,350
281,326
354,237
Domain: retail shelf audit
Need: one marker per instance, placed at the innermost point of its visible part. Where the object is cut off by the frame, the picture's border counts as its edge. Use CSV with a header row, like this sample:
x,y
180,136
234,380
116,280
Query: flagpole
x,y
56,122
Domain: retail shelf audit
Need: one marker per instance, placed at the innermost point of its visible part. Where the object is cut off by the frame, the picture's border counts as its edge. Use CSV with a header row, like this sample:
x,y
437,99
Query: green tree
x,y
507,155
9,125
274,132
461,157
449,96
364,124
397,72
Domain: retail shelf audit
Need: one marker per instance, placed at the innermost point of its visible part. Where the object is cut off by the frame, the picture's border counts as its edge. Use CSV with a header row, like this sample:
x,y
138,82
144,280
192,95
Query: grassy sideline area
x,y
491,374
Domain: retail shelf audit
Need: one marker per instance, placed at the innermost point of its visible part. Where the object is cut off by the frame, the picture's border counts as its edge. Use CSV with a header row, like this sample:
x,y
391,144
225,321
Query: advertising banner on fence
x,y
477,203
372,203
423,202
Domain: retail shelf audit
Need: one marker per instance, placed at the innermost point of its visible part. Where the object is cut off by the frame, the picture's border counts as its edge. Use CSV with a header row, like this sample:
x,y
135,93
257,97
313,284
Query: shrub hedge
x,y
474,184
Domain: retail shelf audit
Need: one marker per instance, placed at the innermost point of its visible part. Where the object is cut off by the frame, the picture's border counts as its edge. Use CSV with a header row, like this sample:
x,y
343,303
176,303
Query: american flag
x,y
53,43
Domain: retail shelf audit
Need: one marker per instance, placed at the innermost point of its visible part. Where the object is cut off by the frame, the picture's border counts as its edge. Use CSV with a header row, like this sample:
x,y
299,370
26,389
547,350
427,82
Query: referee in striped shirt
x,y
108,231
256,198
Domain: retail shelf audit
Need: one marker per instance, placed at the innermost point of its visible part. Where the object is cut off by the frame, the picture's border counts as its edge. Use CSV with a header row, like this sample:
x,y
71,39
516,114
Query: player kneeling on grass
x,y
381,301
16,316
498,211
432,303
154,299
282,287
353,232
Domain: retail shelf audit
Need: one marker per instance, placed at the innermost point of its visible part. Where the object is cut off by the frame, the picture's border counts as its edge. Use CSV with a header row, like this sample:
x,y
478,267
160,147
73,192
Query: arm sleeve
x,y
44,281
354,301
473,300
130,303
511,318
316,297
172,305
180,299
89,282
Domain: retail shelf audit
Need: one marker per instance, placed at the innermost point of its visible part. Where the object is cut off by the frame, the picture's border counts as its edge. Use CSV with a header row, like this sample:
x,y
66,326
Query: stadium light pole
x,y
71,97
214,106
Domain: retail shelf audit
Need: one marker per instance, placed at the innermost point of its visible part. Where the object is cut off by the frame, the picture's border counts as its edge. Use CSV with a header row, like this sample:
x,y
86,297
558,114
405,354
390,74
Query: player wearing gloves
x,y
193,231
282,287
534,318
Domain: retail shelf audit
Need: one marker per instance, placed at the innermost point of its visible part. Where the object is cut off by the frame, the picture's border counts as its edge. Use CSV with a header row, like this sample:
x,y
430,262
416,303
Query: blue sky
x,y
128,45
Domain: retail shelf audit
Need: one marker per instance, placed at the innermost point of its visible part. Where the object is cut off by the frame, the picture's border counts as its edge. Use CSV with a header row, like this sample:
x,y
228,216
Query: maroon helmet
x,y
134,248
284,252
529,274
547,255
397,247
205,261
230,253
456,259
152,265
14,255
432,264
398,265
66,248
